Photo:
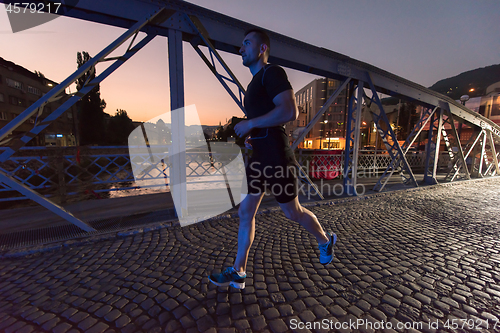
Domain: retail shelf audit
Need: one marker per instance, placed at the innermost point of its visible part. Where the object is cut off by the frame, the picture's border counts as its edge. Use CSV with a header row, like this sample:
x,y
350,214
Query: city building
x,y
20,88
487,105
329,131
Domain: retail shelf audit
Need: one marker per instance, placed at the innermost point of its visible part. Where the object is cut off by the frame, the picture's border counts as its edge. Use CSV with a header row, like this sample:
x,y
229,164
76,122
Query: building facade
x,y
19,89
329,131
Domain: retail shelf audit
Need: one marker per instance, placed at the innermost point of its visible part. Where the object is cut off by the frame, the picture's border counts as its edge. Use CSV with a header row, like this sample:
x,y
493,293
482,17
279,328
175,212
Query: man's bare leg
x,y
294,211
246,233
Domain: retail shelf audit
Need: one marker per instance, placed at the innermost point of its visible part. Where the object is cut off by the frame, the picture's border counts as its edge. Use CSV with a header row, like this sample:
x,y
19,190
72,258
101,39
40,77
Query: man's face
x,y
250,49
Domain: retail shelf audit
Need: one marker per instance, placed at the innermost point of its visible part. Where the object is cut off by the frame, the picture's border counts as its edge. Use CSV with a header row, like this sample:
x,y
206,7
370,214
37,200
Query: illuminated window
x,y
331,145
495,111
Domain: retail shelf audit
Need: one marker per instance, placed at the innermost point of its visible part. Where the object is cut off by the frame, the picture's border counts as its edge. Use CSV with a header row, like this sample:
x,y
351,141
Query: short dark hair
x,y
262,37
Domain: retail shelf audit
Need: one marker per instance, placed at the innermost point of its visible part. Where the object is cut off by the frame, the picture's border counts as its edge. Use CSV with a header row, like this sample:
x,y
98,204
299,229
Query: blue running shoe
x,y
326,250
228,278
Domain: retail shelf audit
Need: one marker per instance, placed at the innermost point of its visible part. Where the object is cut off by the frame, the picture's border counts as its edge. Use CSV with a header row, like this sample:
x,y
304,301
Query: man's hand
x,y
243,128
248,142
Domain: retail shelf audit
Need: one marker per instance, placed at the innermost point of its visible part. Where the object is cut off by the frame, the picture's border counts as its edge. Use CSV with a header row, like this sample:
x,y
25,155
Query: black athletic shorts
x,y
279,176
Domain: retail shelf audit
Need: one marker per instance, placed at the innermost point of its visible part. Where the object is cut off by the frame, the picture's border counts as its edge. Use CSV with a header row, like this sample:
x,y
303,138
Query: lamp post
x,y
463,99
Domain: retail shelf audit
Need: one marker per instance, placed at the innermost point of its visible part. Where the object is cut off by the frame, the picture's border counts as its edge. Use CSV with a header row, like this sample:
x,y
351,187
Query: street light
x,y
464,98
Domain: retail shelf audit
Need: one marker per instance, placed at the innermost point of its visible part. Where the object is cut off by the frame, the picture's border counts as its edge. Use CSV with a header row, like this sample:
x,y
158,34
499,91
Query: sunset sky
x,y
422,41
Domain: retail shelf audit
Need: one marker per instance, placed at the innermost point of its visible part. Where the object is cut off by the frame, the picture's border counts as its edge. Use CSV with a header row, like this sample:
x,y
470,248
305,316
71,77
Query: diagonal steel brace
x,y
156,17
459,156
205,39
424,119
29,193
319,114
399,154
21,118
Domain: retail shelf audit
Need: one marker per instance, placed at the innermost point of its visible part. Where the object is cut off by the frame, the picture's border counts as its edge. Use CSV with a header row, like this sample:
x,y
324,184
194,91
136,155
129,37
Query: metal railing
x,y
65,172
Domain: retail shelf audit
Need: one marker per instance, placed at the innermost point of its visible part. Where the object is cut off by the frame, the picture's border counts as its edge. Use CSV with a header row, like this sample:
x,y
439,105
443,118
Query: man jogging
x,y
269,104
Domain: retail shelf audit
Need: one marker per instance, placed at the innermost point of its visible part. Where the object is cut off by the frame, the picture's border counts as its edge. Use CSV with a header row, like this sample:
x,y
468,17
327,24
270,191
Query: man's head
x,y
256,45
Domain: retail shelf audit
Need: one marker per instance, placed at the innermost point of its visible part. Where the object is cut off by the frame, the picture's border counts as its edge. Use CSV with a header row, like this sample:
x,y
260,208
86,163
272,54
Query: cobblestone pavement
x,y
413,257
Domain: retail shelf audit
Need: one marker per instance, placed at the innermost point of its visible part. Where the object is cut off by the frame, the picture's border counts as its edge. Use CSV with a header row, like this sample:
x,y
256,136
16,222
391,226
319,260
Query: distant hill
x,y
477,79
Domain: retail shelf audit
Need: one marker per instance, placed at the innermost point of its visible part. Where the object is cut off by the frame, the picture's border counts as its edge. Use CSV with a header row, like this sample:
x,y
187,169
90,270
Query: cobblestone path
x,y
404,259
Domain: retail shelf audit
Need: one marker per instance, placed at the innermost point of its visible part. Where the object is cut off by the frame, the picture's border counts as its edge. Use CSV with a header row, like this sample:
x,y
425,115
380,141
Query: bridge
x,y
418,278
180,21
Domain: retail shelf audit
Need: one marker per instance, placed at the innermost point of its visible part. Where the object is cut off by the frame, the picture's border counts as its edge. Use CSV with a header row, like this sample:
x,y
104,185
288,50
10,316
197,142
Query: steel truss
x,y
453,146
424,119
488,157
157,17
320,113
352,139
179,20
390,141
439,120
203,37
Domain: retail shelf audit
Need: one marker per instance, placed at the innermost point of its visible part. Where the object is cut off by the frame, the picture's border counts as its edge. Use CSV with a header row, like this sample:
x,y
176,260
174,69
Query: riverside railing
x,y
69,173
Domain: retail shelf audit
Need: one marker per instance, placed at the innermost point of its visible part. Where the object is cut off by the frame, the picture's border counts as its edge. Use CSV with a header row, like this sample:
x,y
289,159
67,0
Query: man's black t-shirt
x,y
270,144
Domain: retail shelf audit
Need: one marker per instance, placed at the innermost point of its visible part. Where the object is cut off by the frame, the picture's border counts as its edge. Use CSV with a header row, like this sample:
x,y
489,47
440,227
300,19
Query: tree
x,y
119,128
39,74
90,107
223,133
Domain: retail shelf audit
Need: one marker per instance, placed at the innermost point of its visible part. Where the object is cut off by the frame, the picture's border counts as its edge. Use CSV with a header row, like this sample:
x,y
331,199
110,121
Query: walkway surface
x,y
427,257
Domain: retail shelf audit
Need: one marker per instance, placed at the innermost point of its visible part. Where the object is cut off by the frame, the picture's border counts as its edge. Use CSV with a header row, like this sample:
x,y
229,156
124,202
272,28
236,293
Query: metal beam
x,y
391,143
424,119
319,114
432,149
178,148
494,153
56,209
458,157
203,36
492,165
391,168
481,159
60,88
55,93
352,139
